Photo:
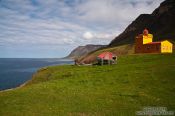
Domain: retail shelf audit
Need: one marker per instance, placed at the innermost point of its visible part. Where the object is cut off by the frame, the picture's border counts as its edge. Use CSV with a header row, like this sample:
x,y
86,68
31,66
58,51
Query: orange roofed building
x,y
144,44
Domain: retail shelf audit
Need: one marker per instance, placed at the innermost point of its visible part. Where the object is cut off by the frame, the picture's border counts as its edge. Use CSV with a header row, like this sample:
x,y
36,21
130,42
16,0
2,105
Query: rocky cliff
x,y
83,50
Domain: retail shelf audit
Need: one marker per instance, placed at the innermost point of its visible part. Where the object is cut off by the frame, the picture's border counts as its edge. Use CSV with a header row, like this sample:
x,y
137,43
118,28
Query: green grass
x,y
117,90
118,50
123,49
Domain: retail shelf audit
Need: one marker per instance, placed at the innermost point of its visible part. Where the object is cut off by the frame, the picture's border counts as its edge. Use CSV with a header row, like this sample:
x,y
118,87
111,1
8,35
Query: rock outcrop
x,y
84,50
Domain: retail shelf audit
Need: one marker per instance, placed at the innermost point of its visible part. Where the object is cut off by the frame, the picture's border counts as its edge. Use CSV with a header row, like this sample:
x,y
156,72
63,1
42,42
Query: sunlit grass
x,y
134,82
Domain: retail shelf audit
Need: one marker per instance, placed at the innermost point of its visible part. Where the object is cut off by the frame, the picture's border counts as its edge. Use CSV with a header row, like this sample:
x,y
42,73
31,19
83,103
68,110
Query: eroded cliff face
x,y
160,23
84,50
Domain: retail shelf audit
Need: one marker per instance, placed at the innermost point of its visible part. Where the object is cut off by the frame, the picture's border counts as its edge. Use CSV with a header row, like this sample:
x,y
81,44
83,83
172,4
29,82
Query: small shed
x,y
106,58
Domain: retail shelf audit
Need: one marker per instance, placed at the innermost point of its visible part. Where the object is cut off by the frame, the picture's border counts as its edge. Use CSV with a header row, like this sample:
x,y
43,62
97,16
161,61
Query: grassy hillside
x,y
119,90
118,50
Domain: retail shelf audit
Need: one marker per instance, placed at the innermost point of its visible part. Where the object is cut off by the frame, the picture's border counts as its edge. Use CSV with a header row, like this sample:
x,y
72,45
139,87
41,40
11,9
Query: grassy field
x,y
117,90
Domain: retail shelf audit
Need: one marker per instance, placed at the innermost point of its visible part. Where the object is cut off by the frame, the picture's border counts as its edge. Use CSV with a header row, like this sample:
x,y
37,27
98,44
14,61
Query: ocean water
x,y
16,71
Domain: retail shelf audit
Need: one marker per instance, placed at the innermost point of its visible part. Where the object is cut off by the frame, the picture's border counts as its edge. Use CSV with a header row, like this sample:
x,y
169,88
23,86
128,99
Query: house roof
x,y
106,55
154,42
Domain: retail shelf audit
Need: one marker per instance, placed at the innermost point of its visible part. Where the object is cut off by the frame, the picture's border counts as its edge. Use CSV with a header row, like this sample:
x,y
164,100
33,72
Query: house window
x,y
148,47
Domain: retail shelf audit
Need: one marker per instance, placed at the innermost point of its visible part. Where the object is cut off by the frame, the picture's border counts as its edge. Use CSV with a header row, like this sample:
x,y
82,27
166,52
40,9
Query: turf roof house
x,y
144,44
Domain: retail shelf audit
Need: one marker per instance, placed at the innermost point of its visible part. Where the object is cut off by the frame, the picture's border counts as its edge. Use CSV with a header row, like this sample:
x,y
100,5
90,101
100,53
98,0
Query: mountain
x,y
161,23
83,50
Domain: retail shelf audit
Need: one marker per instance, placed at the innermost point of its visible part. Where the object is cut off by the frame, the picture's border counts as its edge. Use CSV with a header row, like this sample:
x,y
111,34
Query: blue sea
x,y
16,71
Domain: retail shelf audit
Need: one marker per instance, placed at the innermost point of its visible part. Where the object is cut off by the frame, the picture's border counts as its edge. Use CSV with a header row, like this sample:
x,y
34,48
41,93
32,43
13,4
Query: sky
x,y
53,28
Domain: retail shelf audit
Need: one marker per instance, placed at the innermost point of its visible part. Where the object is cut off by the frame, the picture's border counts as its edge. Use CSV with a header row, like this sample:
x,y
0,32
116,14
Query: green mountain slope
x,y
118,50
120,90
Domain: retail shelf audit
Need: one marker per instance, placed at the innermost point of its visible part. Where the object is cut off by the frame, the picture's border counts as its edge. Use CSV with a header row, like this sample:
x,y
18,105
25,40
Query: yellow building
x,y
145,44
166,47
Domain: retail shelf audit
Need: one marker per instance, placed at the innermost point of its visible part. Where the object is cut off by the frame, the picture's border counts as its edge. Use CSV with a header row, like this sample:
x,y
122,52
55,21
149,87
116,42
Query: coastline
x,y
65,61
20,86
23,84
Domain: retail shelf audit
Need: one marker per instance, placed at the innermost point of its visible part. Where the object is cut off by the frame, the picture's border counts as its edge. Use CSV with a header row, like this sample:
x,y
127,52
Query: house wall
x,y
166,47
152,48
139,44
147,39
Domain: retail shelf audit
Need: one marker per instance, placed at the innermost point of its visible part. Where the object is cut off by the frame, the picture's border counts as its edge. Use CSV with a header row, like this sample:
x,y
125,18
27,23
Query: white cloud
x,y
68,41
111,12
105,36
70,23
88,35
